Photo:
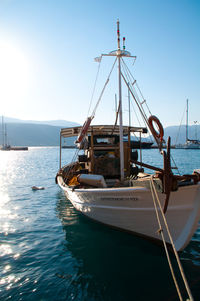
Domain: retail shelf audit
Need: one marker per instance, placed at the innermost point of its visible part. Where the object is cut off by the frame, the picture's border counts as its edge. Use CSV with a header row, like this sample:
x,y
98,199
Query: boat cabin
x,y
102,150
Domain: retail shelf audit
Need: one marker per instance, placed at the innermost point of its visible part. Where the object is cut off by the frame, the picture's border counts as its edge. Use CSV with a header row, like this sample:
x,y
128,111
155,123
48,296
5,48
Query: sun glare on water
x,y
14,77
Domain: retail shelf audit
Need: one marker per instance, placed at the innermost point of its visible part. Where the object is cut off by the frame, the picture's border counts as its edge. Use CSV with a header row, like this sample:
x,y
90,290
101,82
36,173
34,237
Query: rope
x,y
135,82
136,115
130,78
144,100
94,88
117,114
155,196
136,101
133,92
95,108
73,160
176,167
164,242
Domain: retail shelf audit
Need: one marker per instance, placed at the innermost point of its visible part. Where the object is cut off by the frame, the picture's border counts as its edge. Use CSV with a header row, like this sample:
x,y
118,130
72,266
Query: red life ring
x,y
160,134
84,130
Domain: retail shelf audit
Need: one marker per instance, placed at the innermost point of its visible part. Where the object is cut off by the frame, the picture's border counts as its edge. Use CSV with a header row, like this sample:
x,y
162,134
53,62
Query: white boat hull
x,y
132,209
192,146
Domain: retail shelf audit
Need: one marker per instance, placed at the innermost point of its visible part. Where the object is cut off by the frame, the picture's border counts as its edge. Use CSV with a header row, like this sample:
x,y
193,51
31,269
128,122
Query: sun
x,y
14,77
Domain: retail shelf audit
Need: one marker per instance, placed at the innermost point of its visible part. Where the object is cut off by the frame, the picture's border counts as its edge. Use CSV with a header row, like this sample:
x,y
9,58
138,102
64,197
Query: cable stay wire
x,y
175,166
136,114
101,94
126,79
133,91
141,103
137,100
94,88
136,84
95,108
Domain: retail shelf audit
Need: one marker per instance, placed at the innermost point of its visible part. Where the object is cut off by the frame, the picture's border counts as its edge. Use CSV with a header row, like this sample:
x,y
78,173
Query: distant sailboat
x,y
190,143
5,145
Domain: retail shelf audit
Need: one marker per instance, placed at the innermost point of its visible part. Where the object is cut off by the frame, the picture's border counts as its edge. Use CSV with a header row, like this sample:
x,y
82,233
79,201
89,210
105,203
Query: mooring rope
x,y
156,198
160,231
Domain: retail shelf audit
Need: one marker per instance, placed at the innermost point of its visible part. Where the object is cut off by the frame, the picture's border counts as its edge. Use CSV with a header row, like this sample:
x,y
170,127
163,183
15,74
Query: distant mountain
x,y
47,133
62,123
178,133
28,134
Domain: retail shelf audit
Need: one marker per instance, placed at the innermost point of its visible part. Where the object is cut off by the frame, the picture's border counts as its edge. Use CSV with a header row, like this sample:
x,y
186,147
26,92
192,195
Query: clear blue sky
x,y
47,70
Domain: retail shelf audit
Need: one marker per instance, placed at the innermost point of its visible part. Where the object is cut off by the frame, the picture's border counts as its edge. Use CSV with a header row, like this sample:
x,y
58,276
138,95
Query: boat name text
x,y
120,199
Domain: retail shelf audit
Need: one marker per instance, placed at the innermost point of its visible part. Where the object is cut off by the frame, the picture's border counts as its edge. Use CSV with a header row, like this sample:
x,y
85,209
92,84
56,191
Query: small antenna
x,y
124,43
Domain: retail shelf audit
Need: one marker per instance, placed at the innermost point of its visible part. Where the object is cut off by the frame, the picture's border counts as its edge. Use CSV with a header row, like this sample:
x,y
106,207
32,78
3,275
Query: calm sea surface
x,y
48,251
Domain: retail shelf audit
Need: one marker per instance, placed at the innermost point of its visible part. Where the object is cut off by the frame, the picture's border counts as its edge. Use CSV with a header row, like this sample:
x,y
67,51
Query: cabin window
x,y
105,140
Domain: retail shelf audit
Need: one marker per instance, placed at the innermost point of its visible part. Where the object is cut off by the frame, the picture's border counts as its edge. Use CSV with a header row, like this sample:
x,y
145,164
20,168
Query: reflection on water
x,y
7,212
48,251
8,216
112,263
5,249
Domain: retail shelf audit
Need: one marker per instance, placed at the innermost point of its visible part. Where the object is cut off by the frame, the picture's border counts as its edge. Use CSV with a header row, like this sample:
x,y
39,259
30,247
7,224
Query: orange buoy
x,y
159,135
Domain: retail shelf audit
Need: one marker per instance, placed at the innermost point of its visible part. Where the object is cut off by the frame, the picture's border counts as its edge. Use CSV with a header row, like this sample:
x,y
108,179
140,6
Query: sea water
x,y
49,251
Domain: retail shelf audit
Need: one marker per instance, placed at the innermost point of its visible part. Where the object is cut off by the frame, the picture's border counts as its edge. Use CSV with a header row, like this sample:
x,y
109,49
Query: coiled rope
x,y
160,231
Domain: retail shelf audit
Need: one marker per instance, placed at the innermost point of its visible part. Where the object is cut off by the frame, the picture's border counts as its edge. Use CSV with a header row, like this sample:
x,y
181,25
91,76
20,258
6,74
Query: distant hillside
x,y
178,133
30,134
61,123
27,134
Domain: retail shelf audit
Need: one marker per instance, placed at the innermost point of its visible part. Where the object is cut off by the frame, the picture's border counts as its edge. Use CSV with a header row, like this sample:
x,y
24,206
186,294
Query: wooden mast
x,y
187,121
120,106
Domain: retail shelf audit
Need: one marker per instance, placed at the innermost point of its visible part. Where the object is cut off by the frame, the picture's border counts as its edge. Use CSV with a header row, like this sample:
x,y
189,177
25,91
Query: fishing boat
x,y
107,182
